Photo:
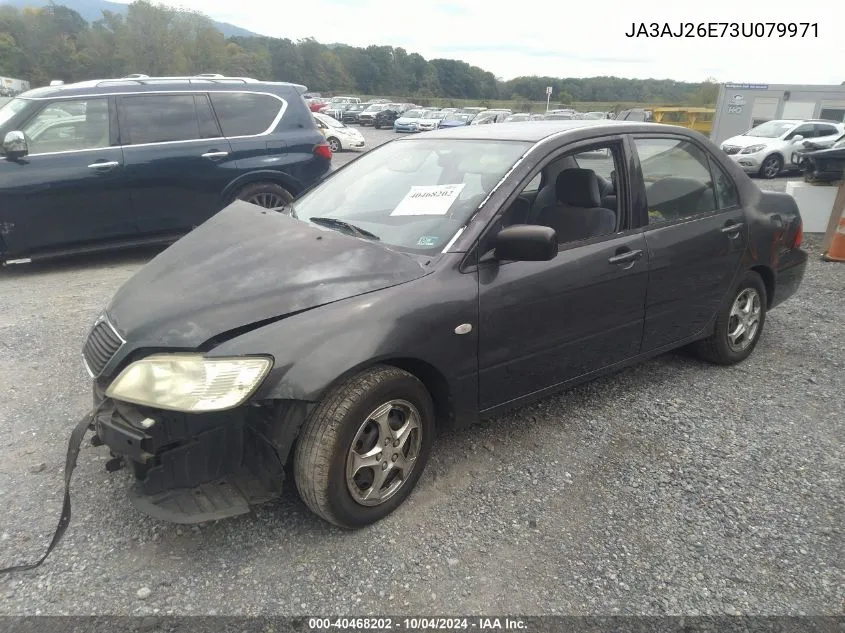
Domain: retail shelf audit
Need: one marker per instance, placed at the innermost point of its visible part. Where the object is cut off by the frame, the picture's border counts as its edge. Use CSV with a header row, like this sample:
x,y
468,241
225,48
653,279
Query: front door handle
x,y
732,229
104,166
626,257
213,155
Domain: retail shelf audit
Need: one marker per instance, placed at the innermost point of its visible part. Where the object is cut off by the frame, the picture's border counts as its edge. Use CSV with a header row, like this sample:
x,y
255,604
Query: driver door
x,y
69,190
543,324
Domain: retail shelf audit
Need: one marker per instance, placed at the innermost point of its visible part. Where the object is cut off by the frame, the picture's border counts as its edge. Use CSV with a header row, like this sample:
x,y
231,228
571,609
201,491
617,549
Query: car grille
x,y
102,344
730,149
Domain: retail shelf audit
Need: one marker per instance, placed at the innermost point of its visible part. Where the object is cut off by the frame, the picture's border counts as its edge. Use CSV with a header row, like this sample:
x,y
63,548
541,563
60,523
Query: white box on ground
x,y
815,202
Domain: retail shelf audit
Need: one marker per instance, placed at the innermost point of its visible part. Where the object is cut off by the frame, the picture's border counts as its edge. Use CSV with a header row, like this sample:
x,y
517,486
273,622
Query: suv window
x,y
805,130
54,129
677,179
158,119
825,130
245,113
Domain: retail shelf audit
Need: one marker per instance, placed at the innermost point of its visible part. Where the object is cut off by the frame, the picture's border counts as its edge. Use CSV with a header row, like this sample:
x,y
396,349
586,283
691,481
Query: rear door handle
x,y
732,229
213,155
104,166
624,258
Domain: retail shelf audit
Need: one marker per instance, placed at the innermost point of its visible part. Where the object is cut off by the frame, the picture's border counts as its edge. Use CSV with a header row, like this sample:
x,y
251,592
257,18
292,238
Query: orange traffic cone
x,y
833,246
836,252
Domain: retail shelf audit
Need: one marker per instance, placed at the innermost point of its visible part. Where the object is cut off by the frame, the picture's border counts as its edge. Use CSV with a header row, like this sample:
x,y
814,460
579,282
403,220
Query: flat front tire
x,y
738,325
364,447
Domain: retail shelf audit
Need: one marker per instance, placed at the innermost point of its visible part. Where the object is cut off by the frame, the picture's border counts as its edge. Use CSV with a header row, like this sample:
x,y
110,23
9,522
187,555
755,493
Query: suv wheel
x,y
265,194
364,446
772,166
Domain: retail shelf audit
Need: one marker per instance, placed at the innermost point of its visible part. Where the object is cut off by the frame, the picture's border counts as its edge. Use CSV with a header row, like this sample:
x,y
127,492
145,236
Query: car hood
x,y
748,141
244,267
830,152
402,120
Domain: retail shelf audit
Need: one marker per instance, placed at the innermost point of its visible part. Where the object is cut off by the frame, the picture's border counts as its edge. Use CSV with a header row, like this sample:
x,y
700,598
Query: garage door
x,y
799,109
764,109
833,110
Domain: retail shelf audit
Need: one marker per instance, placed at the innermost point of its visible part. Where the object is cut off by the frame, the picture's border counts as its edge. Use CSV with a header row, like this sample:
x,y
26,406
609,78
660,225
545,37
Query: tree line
x,y
55,42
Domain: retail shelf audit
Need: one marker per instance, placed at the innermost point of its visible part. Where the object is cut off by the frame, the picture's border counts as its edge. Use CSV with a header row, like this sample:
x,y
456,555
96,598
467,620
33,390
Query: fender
x,y
293,185
314,349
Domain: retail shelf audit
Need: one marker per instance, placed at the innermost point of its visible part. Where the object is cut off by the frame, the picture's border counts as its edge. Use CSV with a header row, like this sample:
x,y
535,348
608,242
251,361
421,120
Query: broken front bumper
x,y
191,468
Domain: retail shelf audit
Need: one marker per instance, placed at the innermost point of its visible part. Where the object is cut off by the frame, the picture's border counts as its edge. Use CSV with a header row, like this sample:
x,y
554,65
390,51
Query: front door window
x,y
69,126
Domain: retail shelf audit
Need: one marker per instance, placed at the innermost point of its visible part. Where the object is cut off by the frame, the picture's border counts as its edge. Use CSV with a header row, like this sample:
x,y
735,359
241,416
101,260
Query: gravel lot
x,y
673,487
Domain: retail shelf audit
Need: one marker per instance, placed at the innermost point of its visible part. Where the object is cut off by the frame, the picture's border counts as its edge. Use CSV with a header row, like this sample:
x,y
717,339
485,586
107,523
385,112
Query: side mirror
x,y
526,243
14,145
797,138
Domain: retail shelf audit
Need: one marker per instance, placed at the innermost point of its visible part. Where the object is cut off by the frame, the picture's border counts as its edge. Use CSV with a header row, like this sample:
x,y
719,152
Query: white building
x,y
742,106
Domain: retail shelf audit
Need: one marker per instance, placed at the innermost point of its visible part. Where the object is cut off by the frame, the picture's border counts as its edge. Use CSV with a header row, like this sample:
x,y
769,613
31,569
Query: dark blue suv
x,y
110,163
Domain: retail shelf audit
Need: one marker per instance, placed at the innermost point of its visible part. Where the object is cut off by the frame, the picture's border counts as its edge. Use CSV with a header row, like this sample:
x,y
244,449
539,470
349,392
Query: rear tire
x,y
738,325
359,421
265,194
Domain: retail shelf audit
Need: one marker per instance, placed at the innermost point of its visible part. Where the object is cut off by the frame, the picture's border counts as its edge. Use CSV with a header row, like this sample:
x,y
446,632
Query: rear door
x,y
177,162
70,190
695,231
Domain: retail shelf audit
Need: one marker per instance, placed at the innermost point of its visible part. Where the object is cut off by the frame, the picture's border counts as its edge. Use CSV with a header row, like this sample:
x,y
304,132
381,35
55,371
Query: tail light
x,y
323,151
799,235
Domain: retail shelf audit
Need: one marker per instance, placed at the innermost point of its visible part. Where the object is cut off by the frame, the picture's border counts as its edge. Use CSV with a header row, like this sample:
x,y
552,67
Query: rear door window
x,y
245,113
158,119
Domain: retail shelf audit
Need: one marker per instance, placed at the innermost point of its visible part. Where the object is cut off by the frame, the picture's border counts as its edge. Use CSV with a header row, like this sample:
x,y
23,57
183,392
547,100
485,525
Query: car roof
x,y
156,84
536,131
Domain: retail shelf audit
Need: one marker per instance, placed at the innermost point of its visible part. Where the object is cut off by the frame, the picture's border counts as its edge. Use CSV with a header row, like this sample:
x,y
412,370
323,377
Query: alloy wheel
x,y
384,452
744,320
266,199
771,167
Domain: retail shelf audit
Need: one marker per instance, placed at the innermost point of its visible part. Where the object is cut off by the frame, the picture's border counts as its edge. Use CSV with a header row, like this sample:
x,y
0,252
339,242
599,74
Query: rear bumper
x,y
790,274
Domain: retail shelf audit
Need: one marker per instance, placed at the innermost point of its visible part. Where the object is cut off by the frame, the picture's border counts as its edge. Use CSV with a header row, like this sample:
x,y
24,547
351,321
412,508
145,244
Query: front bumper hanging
x,y
190,468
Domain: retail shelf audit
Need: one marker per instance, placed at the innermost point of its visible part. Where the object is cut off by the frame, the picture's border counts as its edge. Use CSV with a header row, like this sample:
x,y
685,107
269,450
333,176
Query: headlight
x,y
189,382
753,149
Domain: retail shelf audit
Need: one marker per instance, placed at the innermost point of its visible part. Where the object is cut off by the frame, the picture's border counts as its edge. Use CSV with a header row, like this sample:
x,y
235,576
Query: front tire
x,y
739,324
334,145
771,167
363,448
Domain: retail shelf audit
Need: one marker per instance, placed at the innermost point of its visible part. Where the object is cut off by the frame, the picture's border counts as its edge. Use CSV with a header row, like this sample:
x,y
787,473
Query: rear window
x,y
245,113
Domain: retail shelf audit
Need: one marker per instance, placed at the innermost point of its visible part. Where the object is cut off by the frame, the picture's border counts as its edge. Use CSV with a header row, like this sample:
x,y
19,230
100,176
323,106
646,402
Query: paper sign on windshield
x,y
428,200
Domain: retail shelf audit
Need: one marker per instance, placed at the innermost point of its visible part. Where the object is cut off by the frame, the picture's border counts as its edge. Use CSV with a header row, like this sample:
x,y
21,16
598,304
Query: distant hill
x,y
92,10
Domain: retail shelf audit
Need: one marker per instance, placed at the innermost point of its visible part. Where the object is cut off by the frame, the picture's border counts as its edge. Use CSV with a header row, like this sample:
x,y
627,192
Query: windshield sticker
x,y
428,240
428,200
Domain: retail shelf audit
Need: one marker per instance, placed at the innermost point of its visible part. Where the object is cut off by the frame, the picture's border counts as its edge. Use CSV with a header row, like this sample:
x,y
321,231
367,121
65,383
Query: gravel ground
x,y
672,487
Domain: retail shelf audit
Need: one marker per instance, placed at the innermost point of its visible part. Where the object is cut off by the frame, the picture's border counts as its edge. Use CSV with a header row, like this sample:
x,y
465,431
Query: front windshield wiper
x,y
340,224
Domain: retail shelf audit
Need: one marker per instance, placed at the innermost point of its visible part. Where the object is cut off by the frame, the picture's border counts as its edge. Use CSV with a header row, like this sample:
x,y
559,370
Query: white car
x,y
431,120
767,149
338,135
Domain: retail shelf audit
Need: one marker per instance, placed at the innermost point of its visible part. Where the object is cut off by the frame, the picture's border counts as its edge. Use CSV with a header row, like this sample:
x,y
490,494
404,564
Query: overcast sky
x,y
563,38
